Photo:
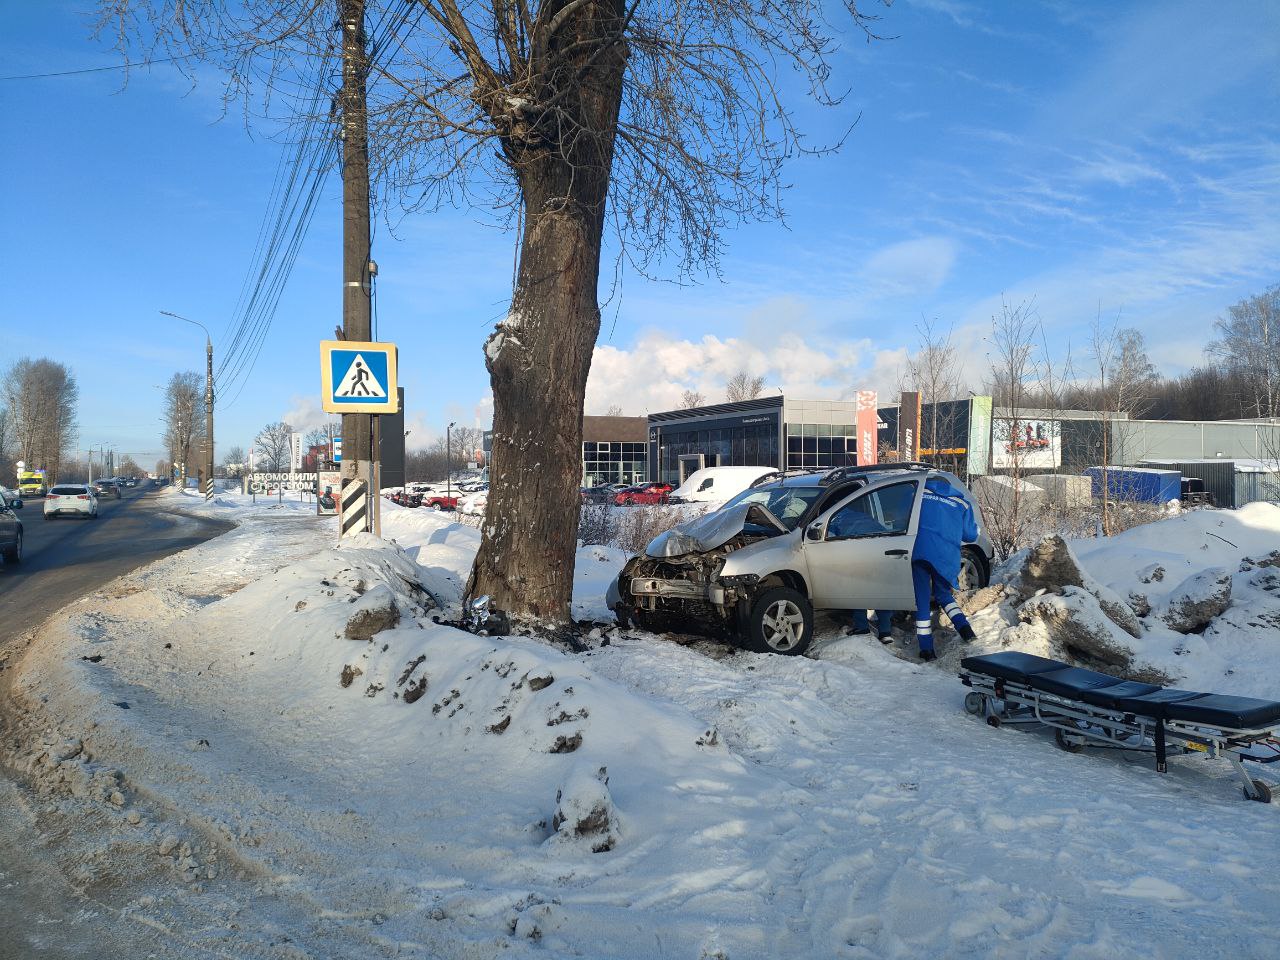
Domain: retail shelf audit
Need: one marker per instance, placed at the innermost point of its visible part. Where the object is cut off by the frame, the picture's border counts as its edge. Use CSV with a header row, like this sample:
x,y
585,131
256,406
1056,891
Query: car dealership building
x,y
796,434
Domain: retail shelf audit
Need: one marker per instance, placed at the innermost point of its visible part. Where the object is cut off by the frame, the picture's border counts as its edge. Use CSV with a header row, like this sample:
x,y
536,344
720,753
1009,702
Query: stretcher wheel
x,y
1060,737
993,721
975,703
1264,792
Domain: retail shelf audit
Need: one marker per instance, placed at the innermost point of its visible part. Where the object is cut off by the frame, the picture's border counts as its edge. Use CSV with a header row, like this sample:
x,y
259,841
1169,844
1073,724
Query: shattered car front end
x,y
685,580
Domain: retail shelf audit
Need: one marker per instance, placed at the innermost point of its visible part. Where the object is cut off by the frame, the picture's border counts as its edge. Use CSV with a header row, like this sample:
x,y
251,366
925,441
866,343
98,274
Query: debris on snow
x,y
375,611
584,811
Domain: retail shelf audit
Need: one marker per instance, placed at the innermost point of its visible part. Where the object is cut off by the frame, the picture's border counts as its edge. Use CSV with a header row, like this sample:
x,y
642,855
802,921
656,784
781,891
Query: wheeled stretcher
x,y
1084,707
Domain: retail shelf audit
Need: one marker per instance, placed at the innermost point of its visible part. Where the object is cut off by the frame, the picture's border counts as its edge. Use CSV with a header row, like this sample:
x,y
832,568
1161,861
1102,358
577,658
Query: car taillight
x,y
83,496
52,496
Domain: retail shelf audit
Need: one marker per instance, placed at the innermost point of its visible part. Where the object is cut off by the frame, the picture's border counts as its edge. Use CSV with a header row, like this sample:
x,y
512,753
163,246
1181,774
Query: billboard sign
x,y
867,426
328,483
295,451
909,426
271,482
1026,444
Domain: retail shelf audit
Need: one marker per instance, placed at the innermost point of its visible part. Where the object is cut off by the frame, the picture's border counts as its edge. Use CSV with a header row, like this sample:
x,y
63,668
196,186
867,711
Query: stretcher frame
x,y
1076,724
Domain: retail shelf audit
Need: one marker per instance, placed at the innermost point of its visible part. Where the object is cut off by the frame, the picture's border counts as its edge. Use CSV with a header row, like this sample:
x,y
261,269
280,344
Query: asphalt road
x,y
67,557
42,912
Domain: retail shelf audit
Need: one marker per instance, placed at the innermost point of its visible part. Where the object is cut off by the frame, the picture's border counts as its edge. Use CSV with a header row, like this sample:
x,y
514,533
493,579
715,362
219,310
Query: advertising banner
x,y
295,451
271,482
867,427
909,427
979,436
328,483
1026,444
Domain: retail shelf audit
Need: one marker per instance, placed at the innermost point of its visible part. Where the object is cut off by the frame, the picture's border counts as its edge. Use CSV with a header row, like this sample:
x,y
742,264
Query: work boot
x,y
927,656
886,637
966,632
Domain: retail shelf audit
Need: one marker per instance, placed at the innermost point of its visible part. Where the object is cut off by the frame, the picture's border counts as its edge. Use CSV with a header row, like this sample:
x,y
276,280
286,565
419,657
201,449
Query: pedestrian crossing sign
x,y
358,377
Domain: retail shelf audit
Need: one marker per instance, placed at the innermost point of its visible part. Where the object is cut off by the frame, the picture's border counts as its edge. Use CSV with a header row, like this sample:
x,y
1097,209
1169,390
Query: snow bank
x,y
1193,599
422,791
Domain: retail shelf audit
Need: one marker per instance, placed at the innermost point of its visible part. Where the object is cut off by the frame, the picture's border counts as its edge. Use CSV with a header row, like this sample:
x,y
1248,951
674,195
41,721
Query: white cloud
x,y
651,375
912,266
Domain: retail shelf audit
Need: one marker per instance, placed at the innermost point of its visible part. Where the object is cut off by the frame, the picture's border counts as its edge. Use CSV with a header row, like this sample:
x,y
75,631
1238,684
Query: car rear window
x,y
61,491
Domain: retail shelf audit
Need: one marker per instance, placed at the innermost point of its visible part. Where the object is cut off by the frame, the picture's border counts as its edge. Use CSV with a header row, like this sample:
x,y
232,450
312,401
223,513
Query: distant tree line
x,y
38,408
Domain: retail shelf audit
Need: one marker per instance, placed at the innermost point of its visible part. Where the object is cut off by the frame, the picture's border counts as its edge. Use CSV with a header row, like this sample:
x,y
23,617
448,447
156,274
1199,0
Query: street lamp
x,y
448,461
208,401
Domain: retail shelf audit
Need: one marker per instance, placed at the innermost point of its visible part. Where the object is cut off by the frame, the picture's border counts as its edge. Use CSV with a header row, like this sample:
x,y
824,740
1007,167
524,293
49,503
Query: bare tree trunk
x,y
540,355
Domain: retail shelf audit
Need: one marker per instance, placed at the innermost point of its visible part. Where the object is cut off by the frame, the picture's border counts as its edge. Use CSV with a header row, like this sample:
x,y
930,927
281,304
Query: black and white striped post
x,y
208,486
353,507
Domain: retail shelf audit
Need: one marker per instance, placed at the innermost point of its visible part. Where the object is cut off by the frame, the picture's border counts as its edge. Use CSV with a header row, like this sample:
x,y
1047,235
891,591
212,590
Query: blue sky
x,y
1121,159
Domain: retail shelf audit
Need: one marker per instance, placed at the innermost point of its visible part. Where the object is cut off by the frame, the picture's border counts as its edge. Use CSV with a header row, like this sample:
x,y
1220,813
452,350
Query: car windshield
x,y
788,504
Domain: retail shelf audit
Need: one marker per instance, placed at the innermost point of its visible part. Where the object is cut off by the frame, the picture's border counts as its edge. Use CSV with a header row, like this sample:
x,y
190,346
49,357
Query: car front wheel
x,y
14,553
780,621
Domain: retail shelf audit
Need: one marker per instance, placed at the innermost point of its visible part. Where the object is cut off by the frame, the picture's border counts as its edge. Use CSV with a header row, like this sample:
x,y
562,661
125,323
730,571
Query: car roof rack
x,y
847,473
779,475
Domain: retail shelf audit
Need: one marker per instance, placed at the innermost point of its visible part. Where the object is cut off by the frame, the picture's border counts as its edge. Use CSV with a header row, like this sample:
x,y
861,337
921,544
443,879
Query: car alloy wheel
x,y
780,621
783,625
971,572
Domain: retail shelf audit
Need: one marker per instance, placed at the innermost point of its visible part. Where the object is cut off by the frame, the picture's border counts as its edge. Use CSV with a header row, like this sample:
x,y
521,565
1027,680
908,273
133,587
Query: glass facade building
x,y
821,446
805,435
614,461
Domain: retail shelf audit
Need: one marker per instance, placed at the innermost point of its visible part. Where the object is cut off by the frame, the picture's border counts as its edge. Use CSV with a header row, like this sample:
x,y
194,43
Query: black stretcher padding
x,y
1155,704
1011,665
1106,696
1222,710
1070,682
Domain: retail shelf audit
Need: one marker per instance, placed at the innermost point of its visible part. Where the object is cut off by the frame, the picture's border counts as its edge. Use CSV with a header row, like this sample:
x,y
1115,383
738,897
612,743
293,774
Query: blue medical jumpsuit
x,y
946,522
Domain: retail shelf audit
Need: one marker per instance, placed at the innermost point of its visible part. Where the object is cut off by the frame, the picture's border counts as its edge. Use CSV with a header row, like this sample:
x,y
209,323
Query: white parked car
x,y
475,503
717,484
71,499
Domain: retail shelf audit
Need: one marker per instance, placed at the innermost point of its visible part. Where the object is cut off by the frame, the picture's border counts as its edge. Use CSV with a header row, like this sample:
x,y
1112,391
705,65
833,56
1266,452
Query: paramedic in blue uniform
x,y
946,522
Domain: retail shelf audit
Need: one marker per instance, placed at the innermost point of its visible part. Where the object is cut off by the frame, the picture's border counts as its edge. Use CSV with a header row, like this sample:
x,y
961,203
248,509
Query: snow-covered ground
x,y
426,792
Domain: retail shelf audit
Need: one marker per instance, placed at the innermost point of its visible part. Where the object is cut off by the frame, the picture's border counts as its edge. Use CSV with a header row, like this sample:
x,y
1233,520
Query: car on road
x,y
107,489
10,528
756,569
71,498
643,493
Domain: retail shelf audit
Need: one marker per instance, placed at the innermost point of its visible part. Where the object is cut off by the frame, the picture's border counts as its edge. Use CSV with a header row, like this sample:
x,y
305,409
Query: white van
x,y
717,484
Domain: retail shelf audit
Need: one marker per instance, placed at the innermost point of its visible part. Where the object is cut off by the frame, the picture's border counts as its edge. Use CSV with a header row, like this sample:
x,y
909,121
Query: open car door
x,y
859,553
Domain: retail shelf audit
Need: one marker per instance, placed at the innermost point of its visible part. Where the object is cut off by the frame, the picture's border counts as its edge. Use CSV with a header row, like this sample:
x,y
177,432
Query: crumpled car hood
x,y
711,530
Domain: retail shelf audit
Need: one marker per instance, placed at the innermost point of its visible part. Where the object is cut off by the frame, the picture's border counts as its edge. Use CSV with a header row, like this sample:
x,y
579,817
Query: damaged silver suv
x,y
755,570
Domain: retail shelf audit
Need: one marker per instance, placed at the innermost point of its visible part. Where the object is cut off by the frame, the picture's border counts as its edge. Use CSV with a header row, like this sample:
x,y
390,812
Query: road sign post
x,y
358,377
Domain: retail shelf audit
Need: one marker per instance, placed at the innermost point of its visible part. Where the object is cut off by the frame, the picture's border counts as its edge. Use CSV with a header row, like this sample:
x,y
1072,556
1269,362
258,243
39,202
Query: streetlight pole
x,y
448,462
208,402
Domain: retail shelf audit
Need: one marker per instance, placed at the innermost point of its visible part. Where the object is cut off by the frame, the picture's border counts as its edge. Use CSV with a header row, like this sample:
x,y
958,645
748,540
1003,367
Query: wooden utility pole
x,y
359,498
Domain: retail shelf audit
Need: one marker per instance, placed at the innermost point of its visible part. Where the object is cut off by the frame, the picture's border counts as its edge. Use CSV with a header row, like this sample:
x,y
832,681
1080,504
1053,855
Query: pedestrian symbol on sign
x,y
357,382
358,377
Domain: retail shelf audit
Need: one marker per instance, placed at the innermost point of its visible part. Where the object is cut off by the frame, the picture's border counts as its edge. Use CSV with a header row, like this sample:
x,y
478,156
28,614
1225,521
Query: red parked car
x,y
644,493
437,502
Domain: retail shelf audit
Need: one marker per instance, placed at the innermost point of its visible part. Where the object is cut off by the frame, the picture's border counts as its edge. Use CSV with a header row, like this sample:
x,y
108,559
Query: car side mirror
x,y
814,531
16,504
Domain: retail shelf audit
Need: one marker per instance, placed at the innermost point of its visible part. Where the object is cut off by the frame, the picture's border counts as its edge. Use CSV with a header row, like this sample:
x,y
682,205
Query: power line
x,y
292,204
114,66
